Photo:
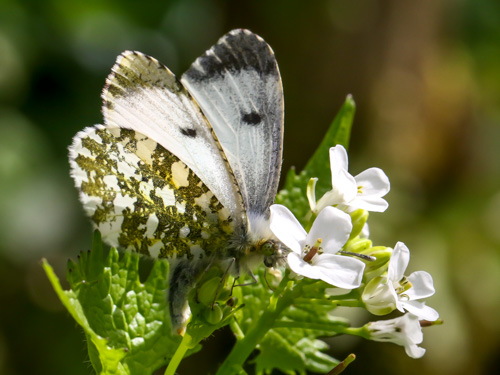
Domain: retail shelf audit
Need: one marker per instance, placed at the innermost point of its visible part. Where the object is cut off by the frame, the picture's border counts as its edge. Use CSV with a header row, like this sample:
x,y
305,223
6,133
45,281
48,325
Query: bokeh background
x,y
426,79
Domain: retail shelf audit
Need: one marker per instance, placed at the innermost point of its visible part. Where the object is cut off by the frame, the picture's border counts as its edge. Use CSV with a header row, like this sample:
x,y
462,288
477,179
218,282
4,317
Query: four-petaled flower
x,y
405,331
314,254
349,193
394,290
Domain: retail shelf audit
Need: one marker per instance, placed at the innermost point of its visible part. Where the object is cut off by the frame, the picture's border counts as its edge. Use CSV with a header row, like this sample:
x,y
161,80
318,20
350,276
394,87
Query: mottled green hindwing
x,y
143,198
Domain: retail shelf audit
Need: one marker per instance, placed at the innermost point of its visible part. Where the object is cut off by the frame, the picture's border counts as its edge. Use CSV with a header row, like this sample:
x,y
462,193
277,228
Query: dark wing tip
x,y
238,50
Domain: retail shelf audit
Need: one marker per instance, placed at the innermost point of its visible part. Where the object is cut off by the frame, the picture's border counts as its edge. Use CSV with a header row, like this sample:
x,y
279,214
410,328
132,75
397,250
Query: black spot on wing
x,y
236,51
252,118
188,132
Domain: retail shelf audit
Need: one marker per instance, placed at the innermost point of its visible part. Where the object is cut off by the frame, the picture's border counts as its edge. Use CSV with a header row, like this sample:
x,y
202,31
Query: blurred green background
x,y
426,79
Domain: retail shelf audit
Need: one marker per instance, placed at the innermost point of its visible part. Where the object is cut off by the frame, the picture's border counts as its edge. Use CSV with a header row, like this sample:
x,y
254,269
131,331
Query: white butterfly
x,y
186,170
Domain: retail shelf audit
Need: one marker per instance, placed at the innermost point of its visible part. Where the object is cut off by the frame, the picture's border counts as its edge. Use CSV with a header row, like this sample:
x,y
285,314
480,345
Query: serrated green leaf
x,y
290,349
275,344
126,322
293,194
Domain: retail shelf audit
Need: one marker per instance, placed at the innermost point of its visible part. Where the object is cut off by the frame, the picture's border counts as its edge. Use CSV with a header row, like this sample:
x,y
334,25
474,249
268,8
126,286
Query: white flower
x,y
314,255
364,191
394,290
405,331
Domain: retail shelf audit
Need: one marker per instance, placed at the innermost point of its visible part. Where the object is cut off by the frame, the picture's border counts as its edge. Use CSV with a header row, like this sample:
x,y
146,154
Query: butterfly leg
x,y
222,281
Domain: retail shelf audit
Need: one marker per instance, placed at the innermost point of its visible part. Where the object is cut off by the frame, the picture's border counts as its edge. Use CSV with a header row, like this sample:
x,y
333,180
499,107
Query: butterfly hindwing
x,y
238,86
143,95
143,198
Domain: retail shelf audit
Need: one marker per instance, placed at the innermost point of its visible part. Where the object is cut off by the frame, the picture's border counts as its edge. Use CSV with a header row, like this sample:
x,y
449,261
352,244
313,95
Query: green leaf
x,y
338,134
126,321
293,194
292,348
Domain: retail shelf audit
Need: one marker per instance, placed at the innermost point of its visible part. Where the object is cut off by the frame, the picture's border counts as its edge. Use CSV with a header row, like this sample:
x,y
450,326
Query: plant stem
x,y
281,299
333,302
178,355
235,327
333,328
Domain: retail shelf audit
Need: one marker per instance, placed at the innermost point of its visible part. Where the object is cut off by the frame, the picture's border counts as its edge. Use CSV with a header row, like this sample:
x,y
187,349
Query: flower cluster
x,y
335,250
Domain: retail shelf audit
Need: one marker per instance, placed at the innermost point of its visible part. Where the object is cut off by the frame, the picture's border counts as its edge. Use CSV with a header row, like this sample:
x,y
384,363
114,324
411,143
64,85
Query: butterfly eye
x,y
268,248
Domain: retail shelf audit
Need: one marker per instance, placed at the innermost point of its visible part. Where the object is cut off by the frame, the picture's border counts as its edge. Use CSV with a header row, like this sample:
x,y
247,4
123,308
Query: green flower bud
x,y
358,218
359,246
377,296
207,291
213,315
379,266
311,193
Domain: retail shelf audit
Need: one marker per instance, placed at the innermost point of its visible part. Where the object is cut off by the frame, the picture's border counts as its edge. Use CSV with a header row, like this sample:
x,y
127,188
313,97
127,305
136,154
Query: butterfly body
x,y
186,169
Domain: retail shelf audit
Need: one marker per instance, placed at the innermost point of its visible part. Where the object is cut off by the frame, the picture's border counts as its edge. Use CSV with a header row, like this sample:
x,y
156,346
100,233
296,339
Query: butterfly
x,y
187,169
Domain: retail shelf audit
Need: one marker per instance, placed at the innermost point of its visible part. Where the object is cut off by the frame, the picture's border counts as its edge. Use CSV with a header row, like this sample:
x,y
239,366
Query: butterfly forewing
x,y
143,95
143,198
238,86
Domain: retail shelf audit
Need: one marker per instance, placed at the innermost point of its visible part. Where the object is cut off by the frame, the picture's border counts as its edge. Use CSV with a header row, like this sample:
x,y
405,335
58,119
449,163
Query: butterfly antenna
x,y
255,281
362,256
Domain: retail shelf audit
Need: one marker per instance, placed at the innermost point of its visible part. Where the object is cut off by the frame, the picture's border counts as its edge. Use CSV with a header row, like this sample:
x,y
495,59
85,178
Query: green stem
x,y
328,302
178,355
355,331
281,299
334,328
235,327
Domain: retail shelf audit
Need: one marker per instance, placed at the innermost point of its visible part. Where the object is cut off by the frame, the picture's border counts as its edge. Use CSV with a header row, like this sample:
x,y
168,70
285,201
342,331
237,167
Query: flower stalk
x,y
282,298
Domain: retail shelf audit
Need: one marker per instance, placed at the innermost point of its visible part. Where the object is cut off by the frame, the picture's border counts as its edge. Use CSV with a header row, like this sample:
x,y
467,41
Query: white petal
x,y
343,183
333,292
365,232
410,326
423,285
330,198
399,261
374,182
338,159
297,265
333,227
287,228
340,271
344,190
369,203
414,351
421,310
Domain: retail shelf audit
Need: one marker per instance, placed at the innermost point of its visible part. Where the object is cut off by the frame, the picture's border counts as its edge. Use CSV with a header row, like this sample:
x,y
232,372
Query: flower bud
x,y
213,315
358,218
359,246
378,297
207,291
379,266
